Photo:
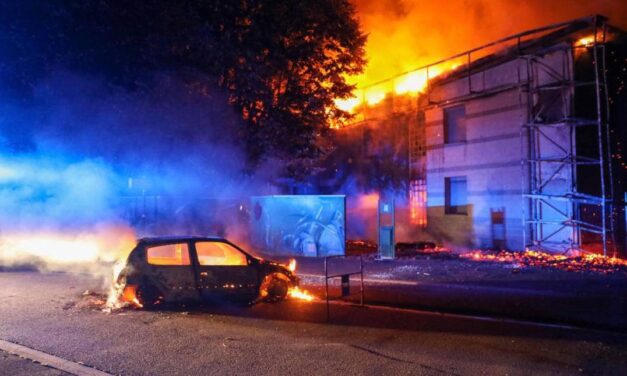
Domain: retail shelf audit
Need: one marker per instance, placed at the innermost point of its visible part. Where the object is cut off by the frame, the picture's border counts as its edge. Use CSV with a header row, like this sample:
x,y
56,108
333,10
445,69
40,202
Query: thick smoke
x,y
406,34
80,158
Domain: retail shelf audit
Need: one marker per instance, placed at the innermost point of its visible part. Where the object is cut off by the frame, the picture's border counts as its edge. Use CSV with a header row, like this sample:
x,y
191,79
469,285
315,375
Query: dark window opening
x,y
454,124
497,217
456,196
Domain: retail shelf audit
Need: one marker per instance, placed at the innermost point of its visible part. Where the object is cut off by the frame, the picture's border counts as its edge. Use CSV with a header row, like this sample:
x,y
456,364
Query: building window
x,y
456,196
454,124
418,202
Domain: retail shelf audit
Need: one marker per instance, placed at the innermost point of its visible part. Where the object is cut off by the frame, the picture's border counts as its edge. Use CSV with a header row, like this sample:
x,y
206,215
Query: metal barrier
x,y
345,282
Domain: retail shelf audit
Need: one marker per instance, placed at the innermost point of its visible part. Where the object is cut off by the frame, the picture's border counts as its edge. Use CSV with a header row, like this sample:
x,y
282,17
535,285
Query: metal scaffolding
x,y
554,219
418,171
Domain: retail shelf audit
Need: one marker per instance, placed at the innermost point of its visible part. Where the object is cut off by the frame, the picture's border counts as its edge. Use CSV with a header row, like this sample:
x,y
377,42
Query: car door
x,y
171,271
223,271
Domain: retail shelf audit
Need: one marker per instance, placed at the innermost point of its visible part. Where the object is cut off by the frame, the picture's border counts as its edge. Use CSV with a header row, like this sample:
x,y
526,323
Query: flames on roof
x,y
580,33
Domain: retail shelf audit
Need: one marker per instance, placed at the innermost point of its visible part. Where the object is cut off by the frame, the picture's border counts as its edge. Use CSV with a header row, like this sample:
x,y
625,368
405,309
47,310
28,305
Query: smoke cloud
x,y
78,154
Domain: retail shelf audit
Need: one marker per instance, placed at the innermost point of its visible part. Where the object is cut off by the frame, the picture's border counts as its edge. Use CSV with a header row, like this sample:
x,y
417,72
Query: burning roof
x,y
579,32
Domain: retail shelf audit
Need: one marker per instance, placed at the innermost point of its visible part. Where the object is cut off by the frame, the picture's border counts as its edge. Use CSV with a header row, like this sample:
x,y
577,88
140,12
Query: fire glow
x,y
130,295
588,262
99,252
297,293
410,84
56,248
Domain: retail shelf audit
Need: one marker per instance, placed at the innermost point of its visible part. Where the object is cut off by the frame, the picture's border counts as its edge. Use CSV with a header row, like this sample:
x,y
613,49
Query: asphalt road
x,y
546,295
49,313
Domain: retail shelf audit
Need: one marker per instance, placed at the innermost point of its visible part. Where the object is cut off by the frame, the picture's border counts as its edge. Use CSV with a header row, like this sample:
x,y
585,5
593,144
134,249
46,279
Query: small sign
x,y
345,284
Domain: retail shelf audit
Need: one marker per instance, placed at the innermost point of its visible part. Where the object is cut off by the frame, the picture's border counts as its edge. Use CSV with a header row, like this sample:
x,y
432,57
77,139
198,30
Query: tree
x,y
280,63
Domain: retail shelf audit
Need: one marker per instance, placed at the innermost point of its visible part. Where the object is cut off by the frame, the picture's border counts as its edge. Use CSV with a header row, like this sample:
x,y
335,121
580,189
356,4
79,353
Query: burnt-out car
x,y
182,269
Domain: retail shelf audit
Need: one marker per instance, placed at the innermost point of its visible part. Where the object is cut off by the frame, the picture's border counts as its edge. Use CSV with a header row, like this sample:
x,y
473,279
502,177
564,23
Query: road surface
x,y
484,288
49,313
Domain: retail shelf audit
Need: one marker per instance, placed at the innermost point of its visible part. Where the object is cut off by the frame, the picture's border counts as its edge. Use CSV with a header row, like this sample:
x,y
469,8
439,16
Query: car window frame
x,y
189,251
196,261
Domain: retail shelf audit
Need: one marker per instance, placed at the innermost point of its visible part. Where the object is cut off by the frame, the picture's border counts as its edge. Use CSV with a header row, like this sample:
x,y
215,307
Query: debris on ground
x,y
360,247
589,262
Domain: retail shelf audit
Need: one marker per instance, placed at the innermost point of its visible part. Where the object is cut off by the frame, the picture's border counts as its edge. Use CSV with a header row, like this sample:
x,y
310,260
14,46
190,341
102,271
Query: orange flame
x,y
411,83
587,41
405,35
55,248
129,295
296,293
89,251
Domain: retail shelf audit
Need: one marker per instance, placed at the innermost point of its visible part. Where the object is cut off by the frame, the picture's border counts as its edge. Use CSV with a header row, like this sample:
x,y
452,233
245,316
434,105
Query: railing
x,y
345,282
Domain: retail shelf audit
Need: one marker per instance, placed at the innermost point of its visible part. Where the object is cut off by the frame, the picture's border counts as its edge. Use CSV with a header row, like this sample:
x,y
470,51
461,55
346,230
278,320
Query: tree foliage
x,y
280,63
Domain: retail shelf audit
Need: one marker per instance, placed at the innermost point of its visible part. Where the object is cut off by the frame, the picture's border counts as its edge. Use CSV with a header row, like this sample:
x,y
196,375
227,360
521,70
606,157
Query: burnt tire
x,y
277,289
148,296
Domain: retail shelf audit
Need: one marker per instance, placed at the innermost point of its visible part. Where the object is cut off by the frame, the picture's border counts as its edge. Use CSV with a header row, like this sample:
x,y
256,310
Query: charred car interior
x,y
200,269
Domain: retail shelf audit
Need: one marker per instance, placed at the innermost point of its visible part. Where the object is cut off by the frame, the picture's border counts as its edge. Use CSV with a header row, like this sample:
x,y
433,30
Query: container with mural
x,y
299,225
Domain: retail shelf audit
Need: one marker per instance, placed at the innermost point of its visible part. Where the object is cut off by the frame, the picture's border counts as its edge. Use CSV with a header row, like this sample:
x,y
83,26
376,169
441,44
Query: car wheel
x,y
148,296
274,288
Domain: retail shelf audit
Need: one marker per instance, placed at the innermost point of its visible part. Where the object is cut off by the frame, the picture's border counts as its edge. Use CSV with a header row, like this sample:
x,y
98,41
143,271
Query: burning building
x,y
512,145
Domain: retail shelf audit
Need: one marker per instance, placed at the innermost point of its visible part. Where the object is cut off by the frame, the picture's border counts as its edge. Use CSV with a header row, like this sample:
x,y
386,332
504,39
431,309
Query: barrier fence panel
x,y
344,282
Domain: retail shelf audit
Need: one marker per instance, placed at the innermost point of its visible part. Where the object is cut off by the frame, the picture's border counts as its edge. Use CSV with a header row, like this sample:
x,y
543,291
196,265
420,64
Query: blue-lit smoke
x,y
73,153
47,191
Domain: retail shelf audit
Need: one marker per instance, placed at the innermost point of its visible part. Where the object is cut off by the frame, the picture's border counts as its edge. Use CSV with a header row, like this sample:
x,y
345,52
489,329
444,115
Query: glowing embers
x,y
296,293
584,263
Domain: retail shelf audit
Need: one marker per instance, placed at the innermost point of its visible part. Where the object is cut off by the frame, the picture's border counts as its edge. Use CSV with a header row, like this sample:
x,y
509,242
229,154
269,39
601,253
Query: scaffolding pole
x,y
553,220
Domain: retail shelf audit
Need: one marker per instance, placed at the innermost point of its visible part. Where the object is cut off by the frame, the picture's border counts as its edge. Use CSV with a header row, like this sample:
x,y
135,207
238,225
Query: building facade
x,y
516,146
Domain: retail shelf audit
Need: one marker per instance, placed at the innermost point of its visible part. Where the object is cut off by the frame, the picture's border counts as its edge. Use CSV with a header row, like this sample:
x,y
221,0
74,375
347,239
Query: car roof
x,y
178,238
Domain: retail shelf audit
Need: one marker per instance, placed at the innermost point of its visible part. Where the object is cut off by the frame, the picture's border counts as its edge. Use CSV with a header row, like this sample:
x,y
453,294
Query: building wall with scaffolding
x,y
536,156
496,105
